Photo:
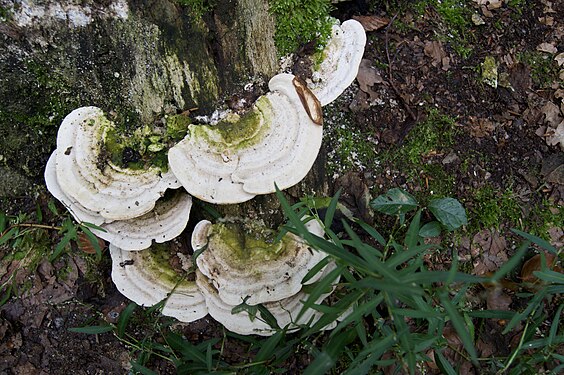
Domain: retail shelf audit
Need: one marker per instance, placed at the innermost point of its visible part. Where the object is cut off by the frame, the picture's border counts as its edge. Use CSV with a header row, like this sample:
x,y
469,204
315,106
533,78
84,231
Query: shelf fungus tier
x,y
244,262
276,142
87,176
164,222
287,312
147,278
341,59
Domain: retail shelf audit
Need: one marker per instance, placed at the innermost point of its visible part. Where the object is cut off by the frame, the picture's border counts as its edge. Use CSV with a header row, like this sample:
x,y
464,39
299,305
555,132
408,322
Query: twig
x,y
29,225
413,117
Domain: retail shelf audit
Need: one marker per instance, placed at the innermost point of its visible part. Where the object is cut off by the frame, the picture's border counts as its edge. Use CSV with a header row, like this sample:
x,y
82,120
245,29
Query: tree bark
x,y
135,59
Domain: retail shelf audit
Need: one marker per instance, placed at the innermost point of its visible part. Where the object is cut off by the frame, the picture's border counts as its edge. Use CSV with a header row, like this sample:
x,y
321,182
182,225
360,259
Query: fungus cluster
x,y
129,204
242,263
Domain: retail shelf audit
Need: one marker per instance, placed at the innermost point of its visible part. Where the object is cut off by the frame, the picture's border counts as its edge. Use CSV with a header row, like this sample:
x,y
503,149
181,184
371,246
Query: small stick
x,y
391,79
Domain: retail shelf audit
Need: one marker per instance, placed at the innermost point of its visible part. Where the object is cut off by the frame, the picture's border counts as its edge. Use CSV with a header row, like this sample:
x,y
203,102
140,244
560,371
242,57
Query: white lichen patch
x,y
26,13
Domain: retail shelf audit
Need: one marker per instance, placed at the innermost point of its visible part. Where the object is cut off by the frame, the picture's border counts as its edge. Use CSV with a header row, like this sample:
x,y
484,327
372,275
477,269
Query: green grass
x,y
400,307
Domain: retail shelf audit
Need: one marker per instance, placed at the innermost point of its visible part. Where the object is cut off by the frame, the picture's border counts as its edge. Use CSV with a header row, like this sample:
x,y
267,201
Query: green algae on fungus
x,y
277,142
157,260
148,278
247,243
237,132
243,259
96,184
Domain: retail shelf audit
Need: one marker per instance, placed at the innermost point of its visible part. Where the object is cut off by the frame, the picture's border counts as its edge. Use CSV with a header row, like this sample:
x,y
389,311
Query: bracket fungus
x,y
277,141
147,278
286,311
164,222
89,178
341,59
244,262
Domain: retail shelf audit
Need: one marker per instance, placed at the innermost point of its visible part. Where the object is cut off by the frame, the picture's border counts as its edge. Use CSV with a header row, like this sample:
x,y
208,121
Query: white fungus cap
x,y
285,311
166,221
247,264
341,59
146,279
113,192
277,142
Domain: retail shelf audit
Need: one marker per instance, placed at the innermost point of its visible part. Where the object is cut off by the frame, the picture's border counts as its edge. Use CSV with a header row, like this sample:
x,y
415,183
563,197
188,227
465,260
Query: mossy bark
x,y
135,59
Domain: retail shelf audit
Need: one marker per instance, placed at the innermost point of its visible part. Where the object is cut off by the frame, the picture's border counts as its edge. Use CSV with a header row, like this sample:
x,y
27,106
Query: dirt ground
x,y
496,144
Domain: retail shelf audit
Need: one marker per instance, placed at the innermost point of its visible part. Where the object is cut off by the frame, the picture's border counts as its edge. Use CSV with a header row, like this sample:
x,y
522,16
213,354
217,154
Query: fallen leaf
x,y
497,299
86,246
534,264
547,47
551,114
435,51
481,127
367,76
490,4
559,59
477,20
547,20
488,249
372,23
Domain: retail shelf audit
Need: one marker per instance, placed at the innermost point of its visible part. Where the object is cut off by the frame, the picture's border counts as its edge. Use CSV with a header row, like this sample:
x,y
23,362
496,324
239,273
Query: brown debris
x,y
488,248
372,23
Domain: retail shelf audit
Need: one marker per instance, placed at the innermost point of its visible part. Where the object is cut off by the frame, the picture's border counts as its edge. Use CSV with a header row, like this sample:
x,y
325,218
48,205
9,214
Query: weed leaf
x,y
511,263
3,222
432,229
142,369
554,326
269,346
8,236
6,296
395,202
69,235
443,364
449,212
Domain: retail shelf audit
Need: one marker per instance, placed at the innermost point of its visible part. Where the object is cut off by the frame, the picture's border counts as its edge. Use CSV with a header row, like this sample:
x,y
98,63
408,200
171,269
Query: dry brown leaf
x,y
435,51
367,76
559,59
551,114
534,264
547,47
481,127
372,23
488,248
497,299
490,4
86,246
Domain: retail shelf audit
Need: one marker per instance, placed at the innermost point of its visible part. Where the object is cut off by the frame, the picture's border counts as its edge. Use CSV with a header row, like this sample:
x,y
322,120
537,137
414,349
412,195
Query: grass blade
x,y
443,364
92,330
555,325
124,318
459,326
534,239
511,263
330,213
